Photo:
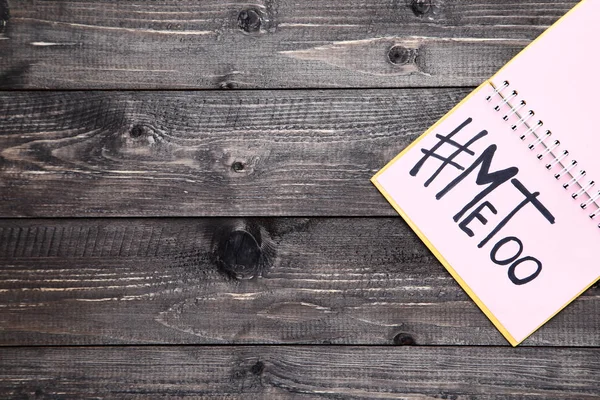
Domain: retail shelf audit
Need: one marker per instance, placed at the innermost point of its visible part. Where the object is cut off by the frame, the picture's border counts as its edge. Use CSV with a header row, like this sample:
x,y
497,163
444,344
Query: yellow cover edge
x,y
423,238
563,307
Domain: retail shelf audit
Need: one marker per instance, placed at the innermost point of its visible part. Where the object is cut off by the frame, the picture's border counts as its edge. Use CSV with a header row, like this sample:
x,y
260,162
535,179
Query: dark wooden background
x,y
186,206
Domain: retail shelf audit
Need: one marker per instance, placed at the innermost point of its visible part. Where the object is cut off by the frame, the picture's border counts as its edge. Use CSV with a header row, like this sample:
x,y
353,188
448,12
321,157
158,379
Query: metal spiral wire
x,y
542,142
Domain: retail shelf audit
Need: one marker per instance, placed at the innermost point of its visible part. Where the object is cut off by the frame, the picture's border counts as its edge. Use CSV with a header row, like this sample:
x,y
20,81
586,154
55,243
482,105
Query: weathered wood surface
x,y
231,281
300,372
268,44
210,288
235,153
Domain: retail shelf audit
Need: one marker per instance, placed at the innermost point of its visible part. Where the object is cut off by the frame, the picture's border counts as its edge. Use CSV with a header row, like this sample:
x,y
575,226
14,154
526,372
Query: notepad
x,y
505,189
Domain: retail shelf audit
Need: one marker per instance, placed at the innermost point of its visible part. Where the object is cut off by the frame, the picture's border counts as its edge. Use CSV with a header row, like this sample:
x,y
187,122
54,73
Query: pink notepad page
x,y
485,203
556,76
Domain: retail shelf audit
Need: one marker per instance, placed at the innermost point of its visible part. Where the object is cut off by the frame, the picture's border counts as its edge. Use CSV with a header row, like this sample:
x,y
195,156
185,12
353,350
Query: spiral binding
x,y
547,147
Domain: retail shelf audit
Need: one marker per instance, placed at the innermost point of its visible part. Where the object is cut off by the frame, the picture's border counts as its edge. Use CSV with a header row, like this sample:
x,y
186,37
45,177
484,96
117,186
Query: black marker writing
x,y
500,244
516,261
513,277
492,181
484,177
530,198
450,159
464,225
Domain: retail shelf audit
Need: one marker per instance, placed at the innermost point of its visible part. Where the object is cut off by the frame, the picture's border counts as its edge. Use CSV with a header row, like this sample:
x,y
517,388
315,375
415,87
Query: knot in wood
x,y
420,7
237,166
404,339
239,255
400,55
242,249
250,20
227,85
258,368
4,15
138,131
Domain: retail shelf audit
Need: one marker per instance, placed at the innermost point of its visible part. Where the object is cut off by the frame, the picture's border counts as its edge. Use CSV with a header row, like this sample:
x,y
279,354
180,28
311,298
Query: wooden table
x,y
187,208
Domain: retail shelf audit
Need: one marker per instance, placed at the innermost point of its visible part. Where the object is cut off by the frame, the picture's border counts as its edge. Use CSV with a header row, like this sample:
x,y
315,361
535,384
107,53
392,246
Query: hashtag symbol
x,y
447,140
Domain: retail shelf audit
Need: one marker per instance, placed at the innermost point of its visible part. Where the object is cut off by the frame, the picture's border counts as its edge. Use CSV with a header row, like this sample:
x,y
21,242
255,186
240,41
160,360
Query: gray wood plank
x,y
267,44
235,153
231,281
300,372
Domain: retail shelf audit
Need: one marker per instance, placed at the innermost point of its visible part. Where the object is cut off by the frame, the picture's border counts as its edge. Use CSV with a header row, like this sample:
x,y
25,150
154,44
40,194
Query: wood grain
x,y
300,372
267,44
235,153
234,281
246,302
